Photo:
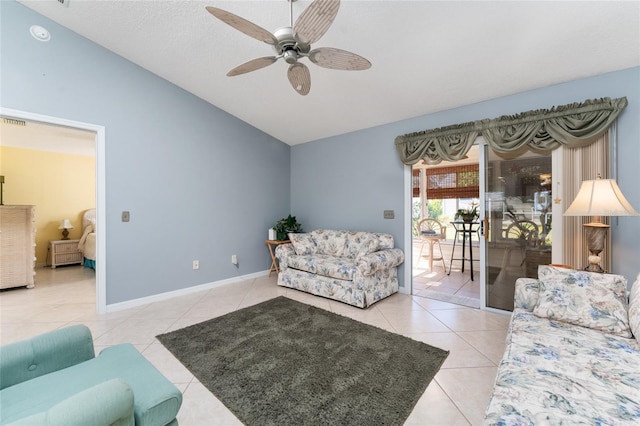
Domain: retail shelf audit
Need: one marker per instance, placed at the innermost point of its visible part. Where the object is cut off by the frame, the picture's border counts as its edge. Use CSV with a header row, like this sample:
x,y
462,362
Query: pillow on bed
x,y
634,309
587,299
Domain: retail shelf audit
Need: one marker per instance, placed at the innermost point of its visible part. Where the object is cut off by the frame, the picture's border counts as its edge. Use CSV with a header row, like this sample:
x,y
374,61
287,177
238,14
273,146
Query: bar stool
x,y
431,231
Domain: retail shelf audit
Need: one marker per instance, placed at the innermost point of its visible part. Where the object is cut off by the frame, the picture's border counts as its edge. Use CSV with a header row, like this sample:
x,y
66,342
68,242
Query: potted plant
x,y
286,225
468,215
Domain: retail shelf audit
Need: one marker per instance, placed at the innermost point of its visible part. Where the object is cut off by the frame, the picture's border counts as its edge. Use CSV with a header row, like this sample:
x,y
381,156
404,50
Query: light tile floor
x,y
437,284
457,396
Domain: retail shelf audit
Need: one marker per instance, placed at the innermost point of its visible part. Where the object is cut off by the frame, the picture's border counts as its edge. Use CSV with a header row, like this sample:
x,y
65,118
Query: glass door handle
x,y
484,226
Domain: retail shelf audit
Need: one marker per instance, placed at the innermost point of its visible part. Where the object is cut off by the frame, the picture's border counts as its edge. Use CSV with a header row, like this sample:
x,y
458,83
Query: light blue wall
x,y
200,184
347,181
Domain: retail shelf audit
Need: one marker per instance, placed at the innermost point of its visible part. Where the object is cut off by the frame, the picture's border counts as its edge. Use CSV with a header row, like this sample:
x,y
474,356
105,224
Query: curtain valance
x,y
574,125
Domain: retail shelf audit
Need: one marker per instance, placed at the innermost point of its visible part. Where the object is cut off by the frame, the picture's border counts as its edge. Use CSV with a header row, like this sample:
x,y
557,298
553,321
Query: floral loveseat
x,y
358,268
571,355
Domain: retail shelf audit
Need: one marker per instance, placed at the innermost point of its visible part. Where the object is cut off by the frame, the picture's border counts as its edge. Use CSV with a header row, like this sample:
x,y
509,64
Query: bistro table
x,y
467,229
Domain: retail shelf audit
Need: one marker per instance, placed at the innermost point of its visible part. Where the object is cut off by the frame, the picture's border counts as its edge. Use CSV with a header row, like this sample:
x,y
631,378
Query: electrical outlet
x,y
234,259
196,264
389,214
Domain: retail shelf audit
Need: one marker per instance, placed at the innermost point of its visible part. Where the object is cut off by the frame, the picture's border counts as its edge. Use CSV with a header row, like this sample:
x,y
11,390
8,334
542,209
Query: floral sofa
x,y
358,268
571,355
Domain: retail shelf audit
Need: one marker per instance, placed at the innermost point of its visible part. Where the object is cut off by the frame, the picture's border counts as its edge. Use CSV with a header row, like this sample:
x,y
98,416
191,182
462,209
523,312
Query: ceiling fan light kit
x,y
294,42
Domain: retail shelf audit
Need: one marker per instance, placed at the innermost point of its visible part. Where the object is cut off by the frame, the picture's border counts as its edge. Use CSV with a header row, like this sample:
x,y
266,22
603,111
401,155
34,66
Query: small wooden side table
x,y
274,262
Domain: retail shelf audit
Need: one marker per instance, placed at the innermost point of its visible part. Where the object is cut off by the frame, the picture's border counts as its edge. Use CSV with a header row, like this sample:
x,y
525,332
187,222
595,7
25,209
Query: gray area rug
x,y
283,362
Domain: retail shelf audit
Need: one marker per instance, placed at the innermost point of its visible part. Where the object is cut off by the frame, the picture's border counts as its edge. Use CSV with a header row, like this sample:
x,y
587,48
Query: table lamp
x,y
65,225
599,197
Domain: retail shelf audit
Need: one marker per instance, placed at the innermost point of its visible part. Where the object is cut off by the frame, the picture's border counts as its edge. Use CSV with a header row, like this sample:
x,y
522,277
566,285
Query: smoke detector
x,y
40,33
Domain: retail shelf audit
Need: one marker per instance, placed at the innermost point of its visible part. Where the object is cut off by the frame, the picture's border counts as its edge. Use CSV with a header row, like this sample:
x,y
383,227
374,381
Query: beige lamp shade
x,y
65,224
600,197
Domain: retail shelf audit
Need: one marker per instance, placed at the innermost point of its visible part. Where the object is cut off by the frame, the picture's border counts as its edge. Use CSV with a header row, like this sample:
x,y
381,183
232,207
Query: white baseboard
x,y
182,292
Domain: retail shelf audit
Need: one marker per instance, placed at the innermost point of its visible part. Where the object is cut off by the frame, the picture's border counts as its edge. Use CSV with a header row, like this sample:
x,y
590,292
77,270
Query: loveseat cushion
x,y
349,244
325,265
360,244
330,242
302,243
557,373
634,309
157,400
597,301
110,403
527,293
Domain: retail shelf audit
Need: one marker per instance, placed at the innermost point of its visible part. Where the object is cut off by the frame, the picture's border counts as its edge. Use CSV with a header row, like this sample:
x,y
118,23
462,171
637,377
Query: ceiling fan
x,y
294,42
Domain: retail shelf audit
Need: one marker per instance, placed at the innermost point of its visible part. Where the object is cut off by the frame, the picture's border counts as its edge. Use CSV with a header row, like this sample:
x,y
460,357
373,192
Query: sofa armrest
x,y
526,293
109,403
283,251
369,264
43,354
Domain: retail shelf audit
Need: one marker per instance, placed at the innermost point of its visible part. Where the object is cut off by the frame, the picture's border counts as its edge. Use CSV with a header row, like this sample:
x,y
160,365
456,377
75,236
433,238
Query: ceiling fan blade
x,y
300,78
252,65
241,24
337,59
315,20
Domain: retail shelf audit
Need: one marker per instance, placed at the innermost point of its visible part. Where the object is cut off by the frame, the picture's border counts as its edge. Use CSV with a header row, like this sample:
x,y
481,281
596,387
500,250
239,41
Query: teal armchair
x,y
56,379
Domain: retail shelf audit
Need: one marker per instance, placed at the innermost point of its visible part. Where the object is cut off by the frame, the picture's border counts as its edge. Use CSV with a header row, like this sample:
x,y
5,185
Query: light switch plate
x,y
389,214
125,216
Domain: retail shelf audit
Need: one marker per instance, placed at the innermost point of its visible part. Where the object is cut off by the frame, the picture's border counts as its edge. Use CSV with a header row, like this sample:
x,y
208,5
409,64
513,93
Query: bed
x,y
87,244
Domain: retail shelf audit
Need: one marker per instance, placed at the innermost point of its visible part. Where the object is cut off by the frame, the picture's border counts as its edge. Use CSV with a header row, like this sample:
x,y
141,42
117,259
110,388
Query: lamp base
x,y
65,234
594,264
596,233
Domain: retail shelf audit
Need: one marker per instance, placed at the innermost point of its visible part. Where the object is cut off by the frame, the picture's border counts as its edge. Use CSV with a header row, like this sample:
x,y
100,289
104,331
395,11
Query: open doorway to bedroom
x,y
57,166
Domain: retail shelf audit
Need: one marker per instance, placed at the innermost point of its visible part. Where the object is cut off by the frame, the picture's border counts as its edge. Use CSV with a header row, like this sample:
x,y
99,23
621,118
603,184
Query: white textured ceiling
x,y
427,56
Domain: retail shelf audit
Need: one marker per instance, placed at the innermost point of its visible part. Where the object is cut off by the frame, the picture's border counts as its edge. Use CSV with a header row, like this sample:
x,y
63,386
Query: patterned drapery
x,y
573,125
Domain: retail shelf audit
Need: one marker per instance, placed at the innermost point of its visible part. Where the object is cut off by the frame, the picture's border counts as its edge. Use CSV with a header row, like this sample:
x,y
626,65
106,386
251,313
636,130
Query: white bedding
x,y
87,244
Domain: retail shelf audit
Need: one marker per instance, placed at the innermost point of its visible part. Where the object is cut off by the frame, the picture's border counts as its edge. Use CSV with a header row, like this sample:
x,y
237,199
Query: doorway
x,y
99,132
439,241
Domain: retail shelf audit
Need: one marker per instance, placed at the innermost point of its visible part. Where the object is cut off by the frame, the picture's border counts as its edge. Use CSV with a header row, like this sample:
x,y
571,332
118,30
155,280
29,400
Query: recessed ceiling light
x,y
39,33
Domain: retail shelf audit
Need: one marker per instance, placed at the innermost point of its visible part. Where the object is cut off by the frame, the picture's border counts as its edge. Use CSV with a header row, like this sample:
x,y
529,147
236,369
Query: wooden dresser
x,y
17,246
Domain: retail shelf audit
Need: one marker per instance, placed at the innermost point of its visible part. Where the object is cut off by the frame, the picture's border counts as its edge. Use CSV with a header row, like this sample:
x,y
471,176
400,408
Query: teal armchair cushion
x,y
109,403
43,354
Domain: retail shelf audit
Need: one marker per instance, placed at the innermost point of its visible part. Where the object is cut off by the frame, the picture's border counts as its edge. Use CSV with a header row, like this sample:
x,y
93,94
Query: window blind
x,y
453,182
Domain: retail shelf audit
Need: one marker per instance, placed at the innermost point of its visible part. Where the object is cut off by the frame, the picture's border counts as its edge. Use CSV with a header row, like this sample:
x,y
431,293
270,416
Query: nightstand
x,y
64,252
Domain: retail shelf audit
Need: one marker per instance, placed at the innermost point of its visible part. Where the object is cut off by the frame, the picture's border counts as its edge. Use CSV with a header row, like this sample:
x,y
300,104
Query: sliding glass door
x,y
517,222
